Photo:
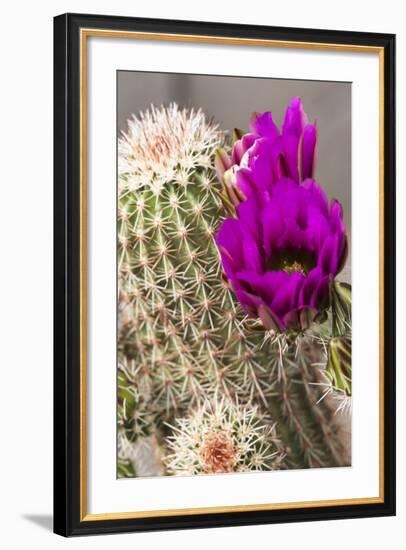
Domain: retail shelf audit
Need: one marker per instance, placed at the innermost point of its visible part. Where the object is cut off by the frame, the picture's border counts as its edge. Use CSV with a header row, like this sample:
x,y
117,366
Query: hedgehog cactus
x,y
180,334
184,339
221,437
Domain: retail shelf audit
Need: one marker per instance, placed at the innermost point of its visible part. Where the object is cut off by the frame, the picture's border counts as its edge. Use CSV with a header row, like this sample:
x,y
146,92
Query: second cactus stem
x,y
300,403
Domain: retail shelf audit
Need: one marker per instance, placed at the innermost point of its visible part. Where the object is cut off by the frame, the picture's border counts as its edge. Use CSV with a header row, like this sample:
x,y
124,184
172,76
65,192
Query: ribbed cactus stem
x,y
297,401
182,318
180,331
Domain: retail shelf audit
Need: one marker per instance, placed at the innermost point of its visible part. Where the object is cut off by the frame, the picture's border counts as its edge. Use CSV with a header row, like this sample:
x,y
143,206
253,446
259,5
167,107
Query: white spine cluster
x,y
220,437
164,144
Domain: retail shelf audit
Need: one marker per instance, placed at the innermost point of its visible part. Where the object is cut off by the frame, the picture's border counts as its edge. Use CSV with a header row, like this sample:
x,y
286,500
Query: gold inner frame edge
x,y
173,37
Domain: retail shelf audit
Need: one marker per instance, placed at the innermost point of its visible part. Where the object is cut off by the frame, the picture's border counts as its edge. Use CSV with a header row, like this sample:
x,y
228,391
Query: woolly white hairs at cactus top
x,y
164,144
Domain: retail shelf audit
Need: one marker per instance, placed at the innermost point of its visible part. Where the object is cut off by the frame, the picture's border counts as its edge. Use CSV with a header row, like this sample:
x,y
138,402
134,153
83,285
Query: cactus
x,y
220,437
180,329
303,402
184,341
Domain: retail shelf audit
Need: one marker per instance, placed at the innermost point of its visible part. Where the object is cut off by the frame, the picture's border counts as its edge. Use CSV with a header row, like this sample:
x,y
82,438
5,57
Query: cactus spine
x,y
220,437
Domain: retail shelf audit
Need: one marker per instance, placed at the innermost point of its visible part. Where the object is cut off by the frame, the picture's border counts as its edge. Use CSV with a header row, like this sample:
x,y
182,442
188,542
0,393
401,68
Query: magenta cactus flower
x,y
265,155
281,253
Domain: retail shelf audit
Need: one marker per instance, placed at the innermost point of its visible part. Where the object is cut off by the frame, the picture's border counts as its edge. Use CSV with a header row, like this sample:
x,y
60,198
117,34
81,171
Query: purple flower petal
x,y
262,125
336,217
317,229
272,227
291,154
293,236
286,296
316,195
309,286
248,213
250,302
270,155
259,161
229,242
265,286
320,294
343,253
295,118
252,257
308,151
245,183
329,255
241,146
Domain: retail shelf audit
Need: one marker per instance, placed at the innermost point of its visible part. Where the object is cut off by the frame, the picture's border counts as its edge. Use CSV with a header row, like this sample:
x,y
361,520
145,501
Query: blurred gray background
x,y
231,100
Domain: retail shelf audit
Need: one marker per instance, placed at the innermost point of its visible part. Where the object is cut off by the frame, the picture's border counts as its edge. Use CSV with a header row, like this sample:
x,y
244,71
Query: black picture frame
x,y
67,350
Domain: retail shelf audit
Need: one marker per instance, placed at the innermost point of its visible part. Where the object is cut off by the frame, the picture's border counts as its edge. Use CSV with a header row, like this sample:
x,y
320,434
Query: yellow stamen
x,y
295,267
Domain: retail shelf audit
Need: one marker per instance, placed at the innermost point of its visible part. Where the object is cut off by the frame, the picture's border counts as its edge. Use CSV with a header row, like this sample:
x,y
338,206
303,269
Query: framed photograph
x,y
224,274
